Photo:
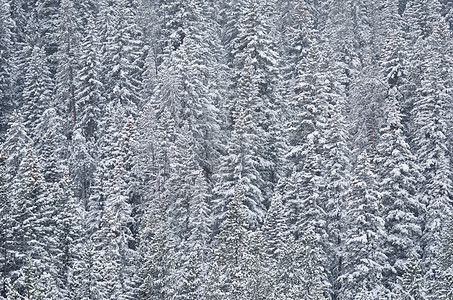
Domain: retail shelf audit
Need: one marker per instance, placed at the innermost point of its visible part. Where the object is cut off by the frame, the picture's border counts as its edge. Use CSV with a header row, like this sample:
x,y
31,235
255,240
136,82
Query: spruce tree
x,y
157,263
306,145
37,89
240,165
365,261
66,32
6,25
399,174
232,245
431,118
89,99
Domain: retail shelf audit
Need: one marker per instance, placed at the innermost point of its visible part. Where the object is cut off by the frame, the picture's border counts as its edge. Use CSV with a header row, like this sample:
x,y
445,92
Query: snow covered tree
x,y
443,288
12,153
240,165
28,284
294,266
305,150
232,246
188,82
66,33
88,96
82,165
365,261
67,215
53,145
337,177
398,174
255,59
431,117
196,249
121,55
29,234
6,25
157,259
83,285
38,88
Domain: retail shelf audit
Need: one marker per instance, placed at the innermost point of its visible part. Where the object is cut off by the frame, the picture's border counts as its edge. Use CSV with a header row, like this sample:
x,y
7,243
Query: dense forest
x,y
226,149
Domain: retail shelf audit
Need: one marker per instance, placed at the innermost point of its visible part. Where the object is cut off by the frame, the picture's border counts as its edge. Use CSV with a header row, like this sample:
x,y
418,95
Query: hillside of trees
x,y
226,149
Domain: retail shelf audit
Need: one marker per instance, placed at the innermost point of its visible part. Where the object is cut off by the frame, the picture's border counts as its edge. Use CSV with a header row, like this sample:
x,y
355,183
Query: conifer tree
x,y
67,34
240,165
295,267
306,143
37,89
157,263
410,284
187,83
254,49
6,25
89,99
444,285
53,145
68,234
337,176
122,55
194,281
365,261
81,162
399,175
232,246
431,115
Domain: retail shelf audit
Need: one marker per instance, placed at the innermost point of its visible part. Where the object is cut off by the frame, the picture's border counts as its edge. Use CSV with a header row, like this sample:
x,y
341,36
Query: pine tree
x,y
295,267
444,285
89,86
6,25
32,224
83,285
365,261
296,35
37,89
107,258
410,284
82,165
240,165
430,112
157,264
194,281
45,13
188,82
66,32
53,144
28,284
256,273
13,151
232,246
68,234
399,175
337,177
255,56
122,55
306,142
4,221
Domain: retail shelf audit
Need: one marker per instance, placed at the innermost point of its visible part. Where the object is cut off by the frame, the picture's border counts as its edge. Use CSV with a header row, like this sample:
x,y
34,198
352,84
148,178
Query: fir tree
x,y
232,246
6,25
430,113
399,174
240,165
37,89
157,264
365,261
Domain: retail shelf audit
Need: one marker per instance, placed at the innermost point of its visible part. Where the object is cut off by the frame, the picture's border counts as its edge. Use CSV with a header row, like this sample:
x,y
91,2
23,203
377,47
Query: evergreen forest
x,y
226,149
